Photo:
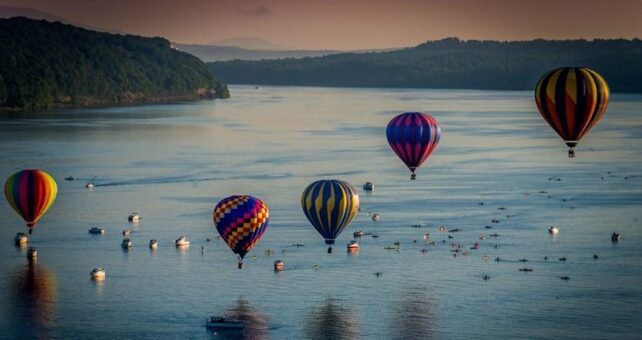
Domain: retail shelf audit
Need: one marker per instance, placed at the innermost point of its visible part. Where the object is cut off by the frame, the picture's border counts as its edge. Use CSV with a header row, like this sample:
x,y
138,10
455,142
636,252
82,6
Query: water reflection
x,y
413,316
332,320
34,299
256,323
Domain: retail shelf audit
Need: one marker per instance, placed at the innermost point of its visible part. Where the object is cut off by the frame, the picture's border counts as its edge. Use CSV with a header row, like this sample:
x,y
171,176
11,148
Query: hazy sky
x,y
352,24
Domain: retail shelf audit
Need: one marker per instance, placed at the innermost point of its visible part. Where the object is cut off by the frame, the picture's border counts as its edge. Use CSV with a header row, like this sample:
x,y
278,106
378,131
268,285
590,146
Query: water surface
x,y
172,163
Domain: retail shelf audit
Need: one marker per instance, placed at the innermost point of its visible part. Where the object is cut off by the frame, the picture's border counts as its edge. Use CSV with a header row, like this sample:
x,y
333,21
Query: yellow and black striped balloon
x,y
330,205
572,100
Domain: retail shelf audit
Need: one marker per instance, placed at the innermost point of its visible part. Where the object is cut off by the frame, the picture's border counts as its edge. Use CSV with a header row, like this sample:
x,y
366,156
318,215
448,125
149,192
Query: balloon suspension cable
x,y
330,250
571,153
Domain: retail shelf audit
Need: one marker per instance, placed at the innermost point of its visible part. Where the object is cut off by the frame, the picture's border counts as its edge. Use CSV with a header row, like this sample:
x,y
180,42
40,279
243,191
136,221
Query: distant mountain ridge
x,y
449,63
45,64
249,43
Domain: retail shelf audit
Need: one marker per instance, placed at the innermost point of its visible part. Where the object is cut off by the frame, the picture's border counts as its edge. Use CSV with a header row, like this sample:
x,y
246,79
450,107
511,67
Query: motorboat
x,y
442,228
353,247
126,244
615,237
358,233
98,273
279,265
182,241
368,186
126,232
153,244
553,230
494,220
96,231
21,239
32,253
133,217
69,178
525,269
475,246
89,185
222,322
375,217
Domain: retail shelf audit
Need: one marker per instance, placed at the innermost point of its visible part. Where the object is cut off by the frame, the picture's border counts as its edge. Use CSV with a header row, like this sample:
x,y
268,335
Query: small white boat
x,y
375,217
126,232
182,241
97,231
89,185
368,186
358,233
153,244
615,237
126,244
279,265
133,217
32,253
553,230
353,246
21,239
98,273
221,322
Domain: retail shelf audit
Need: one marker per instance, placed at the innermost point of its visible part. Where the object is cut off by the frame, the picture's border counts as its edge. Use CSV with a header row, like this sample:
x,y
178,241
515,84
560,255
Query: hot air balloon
x,y
30,193
330,205
413,136
572,100
241,220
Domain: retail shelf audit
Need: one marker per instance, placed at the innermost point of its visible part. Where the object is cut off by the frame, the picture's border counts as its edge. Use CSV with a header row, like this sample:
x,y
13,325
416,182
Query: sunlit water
x,y
172,163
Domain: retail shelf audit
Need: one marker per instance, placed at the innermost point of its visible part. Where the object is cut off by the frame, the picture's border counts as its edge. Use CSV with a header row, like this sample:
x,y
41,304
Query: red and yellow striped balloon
x,y
572,100
30,193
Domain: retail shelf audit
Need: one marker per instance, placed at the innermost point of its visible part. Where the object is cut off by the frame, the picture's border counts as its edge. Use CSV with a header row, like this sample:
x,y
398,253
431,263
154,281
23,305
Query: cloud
x,y
259,12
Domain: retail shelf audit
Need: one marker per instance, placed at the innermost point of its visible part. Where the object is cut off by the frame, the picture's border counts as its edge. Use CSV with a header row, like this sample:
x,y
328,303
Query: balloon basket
x,y
571,153
30,231
240,265
413,177
329,250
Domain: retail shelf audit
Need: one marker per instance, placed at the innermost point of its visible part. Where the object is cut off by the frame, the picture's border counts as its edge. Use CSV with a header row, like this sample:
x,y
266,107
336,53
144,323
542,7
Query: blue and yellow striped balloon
x,y
330,205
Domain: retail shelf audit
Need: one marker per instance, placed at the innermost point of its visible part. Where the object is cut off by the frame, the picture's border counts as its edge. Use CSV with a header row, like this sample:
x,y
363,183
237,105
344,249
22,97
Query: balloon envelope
x,y
330,205
413,136
241,220
572,100
30,193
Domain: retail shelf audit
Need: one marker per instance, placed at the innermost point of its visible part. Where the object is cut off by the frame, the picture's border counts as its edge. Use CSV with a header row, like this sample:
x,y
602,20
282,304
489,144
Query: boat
x,y
98,273
375,217
133,217
32,253
353,247
126,232
97,231
182,241
69,178
525,269
494,220
153,244
615,237
222,322
553,230
21,239
368,186
475,246
358,233
279,265
126,244
89,185
442,228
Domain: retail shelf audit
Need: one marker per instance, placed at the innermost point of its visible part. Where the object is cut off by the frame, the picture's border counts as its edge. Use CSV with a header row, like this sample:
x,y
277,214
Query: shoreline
x,y
102,103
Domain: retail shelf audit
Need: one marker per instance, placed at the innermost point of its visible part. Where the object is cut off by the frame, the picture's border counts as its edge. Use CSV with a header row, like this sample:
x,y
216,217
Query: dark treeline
x,y
450,63
45,64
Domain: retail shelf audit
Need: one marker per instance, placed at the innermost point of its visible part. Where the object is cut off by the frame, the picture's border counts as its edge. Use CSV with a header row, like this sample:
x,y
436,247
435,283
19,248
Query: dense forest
x,y
45,64
450,63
